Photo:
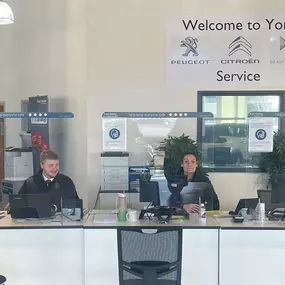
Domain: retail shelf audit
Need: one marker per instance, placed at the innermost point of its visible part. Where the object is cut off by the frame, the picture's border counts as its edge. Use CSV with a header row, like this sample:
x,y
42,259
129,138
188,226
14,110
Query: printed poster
x,y
114,134
260,135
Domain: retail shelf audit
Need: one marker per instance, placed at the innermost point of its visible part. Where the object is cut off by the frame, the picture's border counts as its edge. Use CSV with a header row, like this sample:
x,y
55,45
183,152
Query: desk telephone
x,y
164,213
277,214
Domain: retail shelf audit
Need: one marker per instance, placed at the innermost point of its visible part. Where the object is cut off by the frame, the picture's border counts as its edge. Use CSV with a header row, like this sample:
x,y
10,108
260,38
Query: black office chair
x,y
150,256
2,280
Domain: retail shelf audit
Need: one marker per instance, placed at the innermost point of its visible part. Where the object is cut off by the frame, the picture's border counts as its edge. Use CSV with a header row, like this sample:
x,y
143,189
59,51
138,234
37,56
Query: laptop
x,y
30,206
248,203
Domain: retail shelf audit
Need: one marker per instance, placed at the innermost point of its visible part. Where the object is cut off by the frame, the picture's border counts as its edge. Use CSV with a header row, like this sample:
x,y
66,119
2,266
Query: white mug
x,y
132,216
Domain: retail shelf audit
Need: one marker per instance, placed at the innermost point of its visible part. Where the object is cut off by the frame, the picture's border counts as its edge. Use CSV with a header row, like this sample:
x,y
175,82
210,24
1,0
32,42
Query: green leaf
x,y
274,162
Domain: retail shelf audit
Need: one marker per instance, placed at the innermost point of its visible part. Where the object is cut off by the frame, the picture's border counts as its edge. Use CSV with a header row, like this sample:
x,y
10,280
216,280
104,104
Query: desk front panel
x,y
252,256
101,257
200,256
42,256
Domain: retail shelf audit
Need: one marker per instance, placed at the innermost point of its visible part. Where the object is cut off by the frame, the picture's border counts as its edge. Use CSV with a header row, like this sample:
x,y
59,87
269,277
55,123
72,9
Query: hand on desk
x,y
191,208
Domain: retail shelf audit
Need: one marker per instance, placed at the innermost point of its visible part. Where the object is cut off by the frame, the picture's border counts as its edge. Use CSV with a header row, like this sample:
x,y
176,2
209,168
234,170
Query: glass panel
x,y
45,210
231,127
147,153
49,131
267,146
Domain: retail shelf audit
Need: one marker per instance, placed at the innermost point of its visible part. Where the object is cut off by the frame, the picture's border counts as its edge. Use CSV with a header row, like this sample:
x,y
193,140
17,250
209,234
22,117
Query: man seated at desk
x,y
194,174
49,180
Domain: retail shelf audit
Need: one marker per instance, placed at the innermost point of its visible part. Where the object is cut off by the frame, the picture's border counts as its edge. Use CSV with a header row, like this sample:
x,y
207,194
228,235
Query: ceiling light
x,y
6,14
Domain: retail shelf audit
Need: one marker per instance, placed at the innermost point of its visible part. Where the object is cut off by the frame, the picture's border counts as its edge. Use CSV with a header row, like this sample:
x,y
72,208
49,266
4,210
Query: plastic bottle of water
x,y
261,213
203,211
121,206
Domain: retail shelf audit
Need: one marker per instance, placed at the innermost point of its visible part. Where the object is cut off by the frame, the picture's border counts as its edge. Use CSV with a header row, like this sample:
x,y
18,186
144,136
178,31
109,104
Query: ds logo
x,y
260,134
114,134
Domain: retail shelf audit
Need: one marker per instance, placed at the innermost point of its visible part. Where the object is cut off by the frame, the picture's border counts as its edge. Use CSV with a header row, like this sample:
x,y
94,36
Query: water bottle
x,y
121,206
261,213
203,210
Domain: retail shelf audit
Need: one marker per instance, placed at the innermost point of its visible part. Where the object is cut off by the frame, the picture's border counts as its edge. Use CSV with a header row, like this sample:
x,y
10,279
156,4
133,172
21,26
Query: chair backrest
x,y
153,245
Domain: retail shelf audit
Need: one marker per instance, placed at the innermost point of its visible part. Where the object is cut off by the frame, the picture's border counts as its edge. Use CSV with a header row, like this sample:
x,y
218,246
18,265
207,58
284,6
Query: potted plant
x,y
174,149
273,163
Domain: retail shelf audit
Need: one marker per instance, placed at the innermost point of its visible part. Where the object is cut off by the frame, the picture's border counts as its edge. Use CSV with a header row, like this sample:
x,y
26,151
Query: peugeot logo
x,y
191,46
240,44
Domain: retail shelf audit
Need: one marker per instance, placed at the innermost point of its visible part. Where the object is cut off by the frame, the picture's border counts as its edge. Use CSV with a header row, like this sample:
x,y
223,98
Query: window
x,y
224,139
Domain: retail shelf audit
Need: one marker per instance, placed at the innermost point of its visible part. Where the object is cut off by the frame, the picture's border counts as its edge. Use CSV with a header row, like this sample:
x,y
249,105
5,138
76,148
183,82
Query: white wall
x,y
92,56
9,81
48,52
126,69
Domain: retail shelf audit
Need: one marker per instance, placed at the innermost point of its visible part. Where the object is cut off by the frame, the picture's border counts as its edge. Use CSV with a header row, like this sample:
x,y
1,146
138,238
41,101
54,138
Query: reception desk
x,y
214,251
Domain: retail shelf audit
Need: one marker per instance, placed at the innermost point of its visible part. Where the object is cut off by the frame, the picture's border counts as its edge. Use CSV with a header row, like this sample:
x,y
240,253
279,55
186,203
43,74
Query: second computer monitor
x,y
149,192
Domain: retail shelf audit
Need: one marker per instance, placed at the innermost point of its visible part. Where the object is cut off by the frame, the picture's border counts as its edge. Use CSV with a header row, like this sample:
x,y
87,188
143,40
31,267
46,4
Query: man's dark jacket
x,y
61,187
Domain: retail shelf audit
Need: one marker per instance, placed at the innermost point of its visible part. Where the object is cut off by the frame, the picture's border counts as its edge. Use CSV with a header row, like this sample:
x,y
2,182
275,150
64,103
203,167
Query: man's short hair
x,y
48,154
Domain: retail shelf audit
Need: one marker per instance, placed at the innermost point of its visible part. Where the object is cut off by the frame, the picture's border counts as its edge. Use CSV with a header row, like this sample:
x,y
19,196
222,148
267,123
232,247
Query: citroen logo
x,y
240,44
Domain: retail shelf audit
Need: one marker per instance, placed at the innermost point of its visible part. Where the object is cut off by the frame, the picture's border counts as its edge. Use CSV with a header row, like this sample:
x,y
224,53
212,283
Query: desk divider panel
x,y
151,146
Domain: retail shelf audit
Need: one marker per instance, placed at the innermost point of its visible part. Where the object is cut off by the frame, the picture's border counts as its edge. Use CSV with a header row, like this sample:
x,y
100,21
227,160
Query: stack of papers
x,y
105,218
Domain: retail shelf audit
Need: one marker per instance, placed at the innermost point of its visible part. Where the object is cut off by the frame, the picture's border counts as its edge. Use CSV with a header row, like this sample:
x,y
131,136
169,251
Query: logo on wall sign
x,y
260,134
282,43
3,279
240,44
190,44
114,134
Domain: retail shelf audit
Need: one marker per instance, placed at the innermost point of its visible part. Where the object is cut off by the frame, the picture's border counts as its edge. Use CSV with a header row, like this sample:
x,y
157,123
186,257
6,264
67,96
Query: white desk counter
x,y
251,253
215,251
199,250
41,252
8,223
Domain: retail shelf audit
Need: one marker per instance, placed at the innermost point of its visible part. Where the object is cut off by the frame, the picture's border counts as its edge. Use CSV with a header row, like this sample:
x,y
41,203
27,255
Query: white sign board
x,y
233,51
114,134
260,135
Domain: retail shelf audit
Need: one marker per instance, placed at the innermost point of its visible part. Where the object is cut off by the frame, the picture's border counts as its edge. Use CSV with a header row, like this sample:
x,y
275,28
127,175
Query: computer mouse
x,y
231,213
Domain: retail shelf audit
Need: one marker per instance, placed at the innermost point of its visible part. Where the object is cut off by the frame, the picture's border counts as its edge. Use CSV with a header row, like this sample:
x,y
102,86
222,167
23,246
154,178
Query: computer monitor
x,y
27,206
278,192
192,193
149,192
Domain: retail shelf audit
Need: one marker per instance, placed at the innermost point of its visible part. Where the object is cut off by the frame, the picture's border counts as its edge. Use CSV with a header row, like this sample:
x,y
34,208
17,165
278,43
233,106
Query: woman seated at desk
x,y
194,174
